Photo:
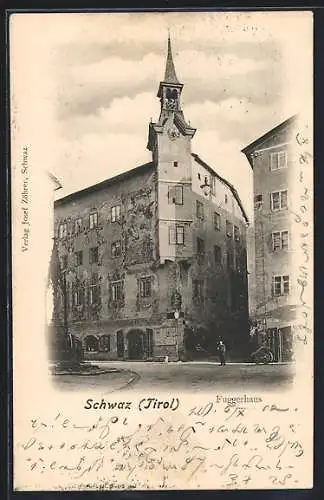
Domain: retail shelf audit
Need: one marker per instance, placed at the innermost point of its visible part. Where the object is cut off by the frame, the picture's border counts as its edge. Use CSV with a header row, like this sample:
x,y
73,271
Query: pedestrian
x,y
222,353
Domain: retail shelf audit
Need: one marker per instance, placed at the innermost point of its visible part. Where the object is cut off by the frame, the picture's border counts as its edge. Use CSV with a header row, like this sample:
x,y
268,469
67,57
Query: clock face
x,y
173,133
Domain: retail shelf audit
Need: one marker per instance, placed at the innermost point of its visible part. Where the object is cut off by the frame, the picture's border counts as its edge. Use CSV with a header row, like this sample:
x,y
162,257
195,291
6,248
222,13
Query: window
x,y
200,247
280,240
78,258
175,195
199,176
78,226
229,229
258,201
217,254
279,200
116,249
280,285
148,342
236,233
176,235
213,184
217,221
117,290
278,160
93,255
175,163
93,220
115,213
198,291
62,230
104,343
65,261
226,198
145,286
78,297
94,290
230,259
200,210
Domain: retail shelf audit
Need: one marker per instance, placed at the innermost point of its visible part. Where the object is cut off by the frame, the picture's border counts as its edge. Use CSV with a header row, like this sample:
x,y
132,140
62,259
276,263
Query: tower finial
x,y
170,74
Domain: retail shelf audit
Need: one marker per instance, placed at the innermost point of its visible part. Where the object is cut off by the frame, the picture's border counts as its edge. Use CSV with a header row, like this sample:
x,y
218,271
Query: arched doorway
x,y
136,344
91,343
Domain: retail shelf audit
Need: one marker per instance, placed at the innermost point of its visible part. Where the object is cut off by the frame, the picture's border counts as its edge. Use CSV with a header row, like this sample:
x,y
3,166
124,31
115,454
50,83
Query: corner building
x,y
274,163
155,258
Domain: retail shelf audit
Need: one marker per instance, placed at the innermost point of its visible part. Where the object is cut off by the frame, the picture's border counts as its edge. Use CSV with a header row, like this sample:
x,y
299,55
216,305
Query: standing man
x,y
222,353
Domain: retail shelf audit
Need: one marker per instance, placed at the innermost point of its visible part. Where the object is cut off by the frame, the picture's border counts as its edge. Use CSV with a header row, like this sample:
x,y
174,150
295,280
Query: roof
x,y
248,149
220,178
170,74
104,184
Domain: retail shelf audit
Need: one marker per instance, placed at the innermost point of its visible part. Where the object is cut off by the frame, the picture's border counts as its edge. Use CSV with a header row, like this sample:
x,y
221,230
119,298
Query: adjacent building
x,y
155,258
273,161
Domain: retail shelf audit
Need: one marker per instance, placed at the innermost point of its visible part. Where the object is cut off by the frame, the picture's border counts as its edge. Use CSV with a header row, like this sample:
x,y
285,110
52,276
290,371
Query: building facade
x,y
273,161
155,258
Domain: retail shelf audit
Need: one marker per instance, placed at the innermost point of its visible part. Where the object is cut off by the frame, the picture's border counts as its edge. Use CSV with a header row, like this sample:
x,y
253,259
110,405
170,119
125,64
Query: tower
x,y
169,140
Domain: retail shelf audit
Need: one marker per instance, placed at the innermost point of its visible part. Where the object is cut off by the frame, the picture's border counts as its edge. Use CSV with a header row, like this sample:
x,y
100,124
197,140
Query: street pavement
x,y
188,376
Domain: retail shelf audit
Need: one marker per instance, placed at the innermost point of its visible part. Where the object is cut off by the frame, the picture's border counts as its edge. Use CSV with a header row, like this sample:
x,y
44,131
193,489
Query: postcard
x,y
162,246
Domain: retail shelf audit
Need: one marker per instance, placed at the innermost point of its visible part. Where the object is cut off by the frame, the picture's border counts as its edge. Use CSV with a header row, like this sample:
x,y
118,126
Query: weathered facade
x,y
273,161
155,258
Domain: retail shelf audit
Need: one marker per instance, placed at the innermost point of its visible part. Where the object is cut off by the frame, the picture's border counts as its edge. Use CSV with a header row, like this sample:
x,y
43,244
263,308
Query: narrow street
x,y
190,376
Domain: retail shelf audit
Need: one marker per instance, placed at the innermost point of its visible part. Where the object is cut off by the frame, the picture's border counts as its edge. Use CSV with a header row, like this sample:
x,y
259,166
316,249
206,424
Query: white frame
x,y
277,155
280,196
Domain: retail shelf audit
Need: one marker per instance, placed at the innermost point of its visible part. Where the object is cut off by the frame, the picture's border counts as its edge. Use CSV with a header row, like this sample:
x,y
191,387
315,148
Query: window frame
x,y
175,230
116,285
200,251
280,234
275,160
78,225
198,285
279,200
115,213
114,245
62,230
200,210
94,286
91,254
258,203
174,200
217,221
78,258
93,220
145,291
283,280
229,224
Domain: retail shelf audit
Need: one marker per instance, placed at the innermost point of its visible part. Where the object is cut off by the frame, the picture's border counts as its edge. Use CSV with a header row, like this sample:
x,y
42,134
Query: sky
x,y
241,76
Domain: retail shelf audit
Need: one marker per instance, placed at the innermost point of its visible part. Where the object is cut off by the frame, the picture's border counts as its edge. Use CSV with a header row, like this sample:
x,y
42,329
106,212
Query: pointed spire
x,y
170,74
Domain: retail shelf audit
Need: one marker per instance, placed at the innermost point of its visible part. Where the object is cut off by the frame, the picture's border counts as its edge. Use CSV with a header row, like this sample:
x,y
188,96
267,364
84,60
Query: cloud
x,y
86,88
123,115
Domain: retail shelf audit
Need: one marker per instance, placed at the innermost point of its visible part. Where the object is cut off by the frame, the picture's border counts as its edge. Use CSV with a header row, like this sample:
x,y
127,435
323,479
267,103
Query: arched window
x,y
104,343
91,343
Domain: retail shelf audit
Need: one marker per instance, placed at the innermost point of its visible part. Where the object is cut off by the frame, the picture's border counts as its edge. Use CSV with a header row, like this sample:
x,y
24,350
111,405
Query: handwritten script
x,y
303,221
214,445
